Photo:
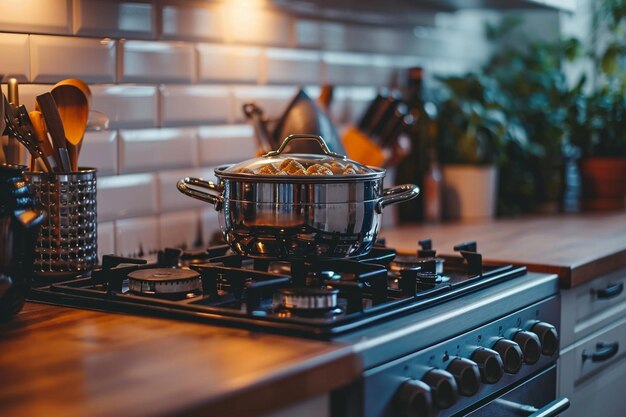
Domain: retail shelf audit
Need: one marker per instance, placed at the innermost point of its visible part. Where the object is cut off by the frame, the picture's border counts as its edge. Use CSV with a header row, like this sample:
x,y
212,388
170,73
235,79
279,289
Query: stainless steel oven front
x,y
492,353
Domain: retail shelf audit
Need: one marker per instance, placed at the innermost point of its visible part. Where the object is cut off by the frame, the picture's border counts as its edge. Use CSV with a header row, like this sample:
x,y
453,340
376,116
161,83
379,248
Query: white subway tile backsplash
x,y
181,229
349,103
106,239
227,50
193,105
127,106
35,16
369,38
145,62
173,200
321,35
157,149
226,144
113,18
253,25
123,196
359,69
272,99
14,50
137,237
54,58
290,66
228,63
99,150
184,21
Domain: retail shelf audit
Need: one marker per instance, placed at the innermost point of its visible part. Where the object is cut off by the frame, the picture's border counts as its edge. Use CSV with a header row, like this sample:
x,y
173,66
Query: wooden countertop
x,y
67,362
577,247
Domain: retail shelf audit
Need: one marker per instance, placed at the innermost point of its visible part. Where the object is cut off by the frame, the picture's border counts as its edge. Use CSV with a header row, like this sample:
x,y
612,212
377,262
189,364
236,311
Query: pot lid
x,y
280,163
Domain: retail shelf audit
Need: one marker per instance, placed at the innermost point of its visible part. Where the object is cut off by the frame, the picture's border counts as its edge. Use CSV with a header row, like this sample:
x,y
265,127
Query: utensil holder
x,y
67,240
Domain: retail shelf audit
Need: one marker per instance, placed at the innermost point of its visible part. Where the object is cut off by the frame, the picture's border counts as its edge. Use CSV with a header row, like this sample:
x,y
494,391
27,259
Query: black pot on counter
x,y
20,219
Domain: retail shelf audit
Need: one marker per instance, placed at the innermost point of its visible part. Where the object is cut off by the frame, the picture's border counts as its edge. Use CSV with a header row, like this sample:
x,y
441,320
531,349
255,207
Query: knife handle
x,y
41,134
51,115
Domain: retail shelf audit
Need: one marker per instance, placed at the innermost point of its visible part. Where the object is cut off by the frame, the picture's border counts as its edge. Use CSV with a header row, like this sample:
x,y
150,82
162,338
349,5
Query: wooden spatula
x,y
72,98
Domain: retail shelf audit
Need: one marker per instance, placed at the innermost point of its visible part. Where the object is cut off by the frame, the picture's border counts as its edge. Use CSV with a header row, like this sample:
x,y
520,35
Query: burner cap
x,y
415,264
164,281
309,298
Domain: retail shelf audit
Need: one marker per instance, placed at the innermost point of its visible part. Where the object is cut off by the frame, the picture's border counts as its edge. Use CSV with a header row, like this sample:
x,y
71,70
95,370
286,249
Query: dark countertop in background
x,y
577,247
67,362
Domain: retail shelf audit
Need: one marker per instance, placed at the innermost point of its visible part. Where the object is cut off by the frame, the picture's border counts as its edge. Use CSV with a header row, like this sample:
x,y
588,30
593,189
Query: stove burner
x,y
164,281
318,298
309,299
413,263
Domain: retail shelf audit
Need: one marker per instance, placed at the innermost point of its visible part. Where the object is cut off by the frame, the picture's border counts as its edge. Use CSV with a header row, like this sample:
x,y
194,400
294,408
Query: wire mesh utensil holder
x,y
67,241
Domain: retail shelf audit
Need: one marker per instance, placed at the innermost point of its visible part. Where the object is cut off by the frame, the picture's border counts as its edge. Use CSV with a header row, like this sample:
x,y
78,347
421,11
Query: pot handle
x,y
214,196
316,138
397,194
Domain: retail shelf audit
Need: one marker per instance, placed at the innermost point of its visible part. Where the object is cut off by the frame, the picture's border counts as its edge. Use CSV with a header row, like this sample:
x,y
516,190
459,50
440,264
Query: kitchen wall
x,y
172,77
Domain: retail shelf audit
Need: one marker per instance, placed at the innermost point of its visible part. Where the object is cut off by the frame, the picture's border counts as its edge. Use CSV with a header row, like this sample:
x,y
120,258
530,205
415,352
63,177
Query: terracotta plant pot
x,y
469,191
603,183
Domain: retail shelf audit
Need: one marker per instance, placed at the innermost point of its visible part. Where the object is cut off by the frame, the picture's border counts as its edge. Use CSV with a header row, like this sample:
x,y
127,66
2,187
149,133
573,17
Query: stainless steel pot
x,y
298,216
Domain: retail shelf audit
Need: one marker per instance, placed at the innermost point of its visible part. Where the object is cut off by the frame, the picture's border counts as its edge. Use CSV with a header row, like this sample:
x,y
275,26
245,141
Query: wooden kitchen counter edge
x,y
71,362
577,247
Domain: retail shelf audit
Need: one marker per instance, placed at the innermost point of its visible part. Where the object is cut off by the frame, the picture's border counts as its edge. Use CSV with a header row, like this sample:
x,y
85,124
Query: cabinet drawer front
x,y
590,307
595,388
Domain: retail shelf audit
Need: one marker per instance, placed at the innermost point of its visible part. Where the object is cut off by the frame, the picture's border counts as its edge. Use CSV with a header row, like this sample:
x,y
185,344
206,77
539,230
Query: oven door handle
x,y
552,409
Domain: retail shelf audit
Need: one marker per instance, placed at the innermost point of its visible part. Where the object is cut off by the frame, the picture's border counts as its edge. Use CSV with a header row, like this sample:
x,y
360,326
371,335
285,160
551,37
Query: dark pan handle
x,y
612,290
604,351
397,194
316,138
214,196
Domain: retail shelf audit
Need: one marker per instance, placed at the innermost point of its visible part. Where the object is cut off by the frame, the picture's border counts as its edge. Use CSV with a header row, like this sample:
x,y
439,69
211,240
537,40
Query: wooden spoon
x,y
73,105
41,134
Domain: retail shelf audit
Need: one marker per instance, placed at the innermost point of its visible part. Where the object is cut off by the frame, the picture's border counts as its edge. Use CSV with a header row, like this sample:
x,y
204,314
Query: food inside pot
x,y
290,166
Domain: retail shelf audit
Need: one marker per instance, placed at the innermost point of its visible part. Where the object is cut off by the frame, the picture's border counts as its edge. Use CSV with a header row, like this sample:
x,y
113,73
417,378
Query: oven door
x,y
534,397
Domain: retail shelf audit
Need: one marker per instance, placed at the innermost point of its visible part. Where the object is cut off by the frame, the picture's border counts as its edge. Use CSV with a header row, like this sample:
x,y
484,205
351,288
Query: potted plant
x,y
598,128
471,132
598,120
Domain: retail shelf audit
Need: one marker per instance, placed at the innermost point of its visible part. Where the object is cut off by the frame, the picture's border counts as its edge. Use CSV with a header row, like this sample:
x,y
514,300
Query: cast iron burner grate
x,y
259,293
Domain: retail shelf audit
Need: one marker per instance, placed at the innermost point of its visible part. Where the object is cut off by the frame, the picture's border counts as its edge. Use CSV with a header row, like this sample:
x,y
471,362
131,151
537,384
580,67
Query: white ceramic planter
x,y
469,191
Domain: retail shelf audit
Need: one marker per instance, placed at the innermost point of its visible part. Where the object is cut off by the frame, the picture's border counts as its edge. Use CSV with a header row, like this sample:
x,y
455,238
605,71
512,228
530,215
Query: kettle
x,y
20,219
302,116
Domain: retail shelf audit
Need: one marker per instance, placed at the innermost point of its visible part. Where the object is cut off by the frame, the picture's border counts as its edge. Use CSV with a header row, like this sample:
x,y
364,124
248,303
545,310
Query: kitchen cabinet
x,y
595,386
592,366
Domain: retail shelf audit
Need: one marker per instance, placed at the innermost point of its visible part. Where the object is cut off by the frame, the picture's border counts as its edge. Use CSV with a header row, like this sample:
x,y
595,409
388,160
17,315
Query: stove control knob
x,y
490,365
413,399
443,387
511,355
530,344
548,337
467,375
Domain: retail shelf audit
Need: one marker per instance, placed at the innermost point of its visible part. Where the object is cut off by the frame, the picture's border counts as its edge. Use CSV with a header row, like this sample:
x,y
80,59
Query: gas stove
x,y
315,298
438,335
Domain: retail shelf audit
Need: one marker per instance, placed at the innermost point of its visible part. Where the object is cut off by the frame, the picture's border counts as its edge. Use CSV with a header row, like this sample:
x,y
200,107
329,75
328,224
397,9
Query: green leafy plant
x,y
597,121
538,99
472,126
